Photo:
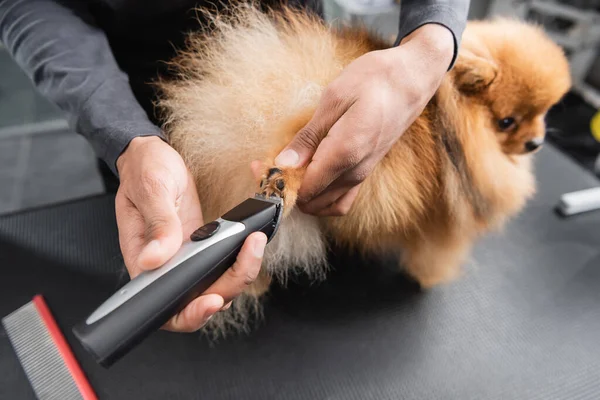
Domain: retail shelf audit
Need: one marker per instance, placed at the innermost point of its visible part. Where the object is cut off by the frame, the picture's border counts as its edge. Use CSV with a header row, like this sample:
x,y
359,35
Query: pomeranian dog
x,y
247,85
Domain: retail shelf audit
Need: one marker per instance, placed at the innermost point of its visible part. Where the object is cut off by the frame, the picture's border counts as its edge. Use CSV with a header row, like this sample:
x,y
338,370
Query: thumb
x,y
163,231
304,144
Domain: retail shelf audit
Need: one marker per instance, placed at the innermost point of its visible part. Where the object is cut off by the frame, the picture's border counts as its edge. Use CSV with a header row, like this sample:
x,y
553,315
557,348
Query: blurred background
x,y
43,162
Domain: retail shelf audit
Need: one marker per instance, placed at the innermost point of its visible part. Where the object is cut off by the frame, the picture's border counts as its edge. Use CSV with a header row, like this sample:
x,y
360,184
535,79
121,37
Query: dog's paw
x,y
272,183
283,183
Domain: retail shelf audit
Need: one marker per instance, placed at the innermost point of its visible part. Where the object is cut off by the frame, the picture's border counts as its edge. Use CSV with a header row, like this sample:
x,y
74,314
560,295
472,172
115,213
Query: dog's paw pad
x,y
273,183
280,184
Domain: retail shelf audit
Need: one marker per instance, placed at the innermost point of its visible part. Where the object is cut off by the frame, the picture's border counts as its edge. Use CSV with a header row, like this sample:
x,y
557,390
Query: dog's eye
x,y
506,123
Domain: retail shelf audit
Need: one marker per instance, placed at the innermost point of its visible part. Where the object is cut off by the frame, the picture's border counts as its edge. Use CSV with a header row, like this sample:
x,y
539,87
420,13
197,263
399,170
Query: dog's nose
x,y
534,144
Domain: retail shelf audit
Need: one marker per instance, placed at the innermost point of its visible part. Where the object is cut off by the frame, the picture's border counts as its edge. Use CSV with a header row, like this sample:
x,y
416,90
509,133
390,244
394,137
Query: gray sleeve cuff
x,y
451,14
109,126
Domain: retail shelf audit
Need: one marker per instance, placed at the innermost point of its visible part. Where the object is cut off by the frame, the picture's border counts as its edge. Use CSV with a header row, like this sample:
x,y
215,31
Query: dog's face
x,y
518,73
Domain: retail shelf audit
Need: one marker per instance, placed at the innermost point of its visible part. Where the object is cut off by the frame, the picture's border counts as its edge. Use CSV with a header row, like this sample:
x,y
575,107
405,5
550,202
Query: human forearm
x,y
70,63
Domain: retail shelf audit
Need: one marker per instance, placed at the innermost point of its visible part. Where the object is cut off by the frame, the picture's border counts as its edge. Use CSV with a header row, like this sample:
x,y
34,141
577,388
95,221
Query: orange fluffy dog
x,y
245,88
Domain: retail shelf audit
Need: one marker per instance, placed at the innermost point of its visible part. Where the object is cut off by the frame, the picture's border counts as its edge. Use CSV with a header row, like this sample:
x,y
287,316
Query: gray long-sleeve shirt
x,y
94,58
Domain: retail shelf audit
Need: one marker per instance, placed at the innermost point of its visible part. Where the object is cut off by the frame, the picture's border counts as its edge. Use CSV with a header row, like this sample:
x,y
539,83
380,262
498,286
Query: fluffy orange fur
x,y
247,85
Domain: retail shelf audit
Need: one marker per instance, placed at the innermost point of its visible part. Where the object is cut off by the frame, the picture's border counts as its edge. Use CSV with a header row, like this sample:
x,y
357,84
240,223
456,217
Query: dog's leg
x,y
436,259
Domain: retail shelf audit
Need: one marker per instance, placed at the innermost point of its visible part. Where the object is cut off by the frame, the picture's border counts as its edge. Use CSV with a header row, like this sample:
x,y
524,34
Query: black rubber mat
x,y
524,323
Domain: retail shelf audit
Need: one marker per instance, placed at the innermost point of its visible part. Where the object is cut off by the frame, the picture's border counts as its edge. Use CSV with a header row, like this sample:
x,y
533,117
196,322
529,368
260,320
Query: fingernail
x,y
154,245
259,246
151,250
288,158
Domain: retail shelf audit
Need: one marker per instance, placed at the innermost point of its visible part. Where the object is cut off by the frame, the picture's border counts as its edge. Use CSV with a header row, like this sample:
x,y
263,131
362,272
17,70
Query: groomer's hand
x,y
363,112
157,208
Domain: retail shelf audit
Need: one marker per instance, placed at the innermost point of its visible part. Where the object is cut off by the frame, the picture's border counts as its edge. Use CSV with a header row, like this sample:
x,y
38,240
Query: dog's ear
x,y
473,73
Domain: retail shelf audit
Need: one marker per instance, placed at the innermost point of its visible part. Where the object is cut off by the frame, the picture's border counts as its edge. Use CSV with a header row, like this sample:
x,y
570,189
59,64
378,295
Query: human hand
x,y
157,208
362,113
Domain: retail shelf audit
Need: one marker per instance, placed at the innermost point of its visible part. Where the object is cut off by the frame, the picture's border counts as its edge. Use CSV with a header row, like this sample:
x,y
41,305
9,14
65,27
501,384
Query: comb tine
x,y
48,363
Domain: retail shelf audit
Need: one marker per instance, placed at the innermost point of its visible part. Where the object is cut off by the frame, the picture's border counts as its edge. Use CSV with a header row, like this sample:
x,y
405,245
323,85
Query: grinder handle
x,y
153,298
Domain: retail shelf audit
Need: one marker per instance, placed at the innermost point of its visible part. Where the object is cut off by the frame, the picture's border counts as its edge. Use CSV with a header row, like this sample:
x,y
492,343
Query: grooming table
x,y
524,323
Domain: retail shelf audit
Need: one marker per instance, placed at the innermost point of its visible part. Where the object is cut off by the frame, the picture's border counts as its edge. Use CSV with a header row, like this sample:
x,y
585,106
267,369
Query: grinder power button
x,y
206,231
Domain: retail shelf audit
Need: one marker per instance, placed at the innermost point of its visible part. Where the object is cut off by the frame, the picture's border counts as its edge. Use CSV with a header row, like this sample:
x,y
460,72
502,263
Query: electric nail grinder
x,y
149,300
